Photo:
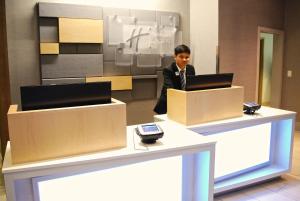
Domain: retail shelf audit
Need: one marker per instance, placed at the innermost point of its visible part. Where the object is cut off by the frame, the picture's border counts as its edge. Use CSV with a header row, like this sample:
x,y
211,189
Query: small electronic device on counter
x,y
251,107
149,133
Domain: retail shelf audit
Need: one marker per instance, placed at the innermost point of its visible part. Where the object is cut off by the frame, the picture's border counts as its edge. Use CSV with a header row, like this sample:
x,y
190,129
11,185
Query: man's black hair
x,y
182,49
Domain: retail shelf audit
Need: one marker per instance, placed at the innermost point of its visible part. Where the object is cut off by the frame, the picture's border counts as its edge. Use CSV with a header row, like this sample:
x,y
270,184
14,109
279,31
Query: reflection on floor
x,y
286,188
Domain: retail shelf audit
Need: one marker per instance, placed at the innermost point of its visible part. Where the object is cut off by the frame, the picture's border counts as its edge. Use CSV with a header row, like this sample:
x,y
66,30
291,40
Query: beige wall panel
x,y
51,133
49,48
194,107
238,23
80,30
290,87
117,82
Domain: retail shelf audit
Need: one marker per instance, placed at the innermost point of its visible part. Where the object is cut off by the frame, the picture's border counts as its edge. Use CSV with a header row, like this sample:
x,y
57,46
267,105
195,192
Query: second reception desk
x,y
179,167
249,149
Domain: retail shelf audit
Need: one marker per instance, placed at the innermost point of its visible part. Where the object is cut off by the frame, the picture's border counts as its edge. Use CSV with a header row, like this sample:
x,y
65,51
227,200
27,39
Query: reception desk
x,y
249,149
179,167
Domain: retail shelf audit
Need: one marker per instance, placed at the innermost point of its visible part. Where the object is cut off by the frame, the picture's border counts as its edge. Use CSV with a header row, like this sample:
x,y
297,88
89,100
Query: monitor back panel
x,y
65,95
211,81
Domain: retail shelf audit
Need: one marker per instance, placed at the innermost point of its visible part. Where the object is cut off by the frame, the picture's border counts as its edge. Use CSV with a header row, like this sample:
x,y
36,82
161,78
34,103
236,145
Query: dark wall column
x,y
290,88
4,79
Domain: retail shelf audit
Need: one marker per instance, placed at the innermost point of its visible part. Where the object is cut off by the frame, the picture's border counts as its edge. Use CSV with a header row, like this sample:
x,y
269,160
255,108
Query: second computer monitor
x,y
209,81
65,95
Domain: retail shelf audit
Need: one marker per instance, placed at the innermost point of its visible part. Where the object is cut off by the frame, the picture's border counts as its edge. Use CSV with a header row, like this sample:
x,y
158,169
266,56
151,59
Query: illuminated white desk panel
x,y
250,148
178,167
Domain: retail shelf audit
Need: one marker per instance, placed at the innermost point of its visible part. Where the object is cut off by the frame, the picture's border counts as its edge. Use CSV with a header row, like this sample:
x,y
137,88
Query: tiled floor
x,y
2,190
286,188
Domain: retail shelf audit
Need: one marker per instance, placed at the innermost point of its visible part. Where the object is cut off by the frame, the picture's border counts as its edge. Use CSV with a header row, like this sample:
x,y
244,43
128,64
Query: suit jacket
x,y
171,80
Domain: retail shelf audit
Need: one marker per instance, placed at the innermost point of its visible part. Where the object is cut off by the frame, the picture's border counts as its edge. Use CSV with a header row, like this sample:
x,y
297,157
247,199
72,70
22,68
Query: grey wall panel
x,y
163,18
89,48
148,60
115,11
165,62
140,112
144,15
69,10
141,71
63,81
136,77
124,96
109,51
159,83
144,89
110,69
67,48
71,65
48,29
72,48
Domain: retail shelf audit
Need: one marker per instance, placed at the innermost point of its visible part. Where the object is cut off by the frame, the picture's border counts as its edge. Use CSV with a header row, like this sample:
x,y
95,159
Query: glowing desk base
x,y
179,167
249,149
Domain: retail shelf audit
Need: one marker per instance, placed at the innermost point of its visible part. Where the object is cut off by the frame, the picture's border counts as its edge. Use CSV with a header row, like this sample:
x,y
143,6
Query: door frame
x,y
277,66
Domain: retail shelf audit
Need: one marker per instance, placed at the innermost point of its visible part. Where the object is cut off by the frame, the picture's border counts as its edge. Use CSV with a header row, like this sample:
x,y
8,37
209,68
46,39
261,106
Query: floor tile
x,y
292,192
236,196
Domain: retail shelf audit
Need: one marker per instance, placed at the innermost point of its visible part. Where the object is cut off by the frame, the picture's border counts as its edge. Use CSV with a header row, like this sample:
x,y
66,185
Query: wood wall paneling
x,y
49,48
194,107
92,128
117,82
4,80
80,30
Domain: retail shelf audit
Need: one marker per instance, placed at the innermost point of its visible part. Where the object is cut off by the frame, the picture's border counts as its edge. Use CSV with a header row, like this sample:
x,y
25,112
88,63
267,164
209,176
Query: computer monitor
x,y
211,81
65,95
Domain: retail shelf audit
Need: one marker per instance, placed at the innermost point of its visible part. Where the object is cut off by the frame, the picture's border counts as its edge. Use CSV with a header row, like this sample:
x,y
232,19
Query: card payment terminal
x,y
149,133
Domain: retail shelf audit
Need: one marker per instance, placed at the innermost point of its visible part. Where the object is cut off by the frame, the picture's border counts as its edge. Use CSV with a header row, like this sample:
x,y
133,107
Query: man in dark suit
x,y
175,76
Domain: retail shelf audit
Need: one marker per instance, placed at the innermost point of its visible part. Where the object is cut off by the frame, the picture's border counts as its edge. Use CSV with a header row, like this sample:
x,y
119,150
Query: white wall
x,y
22,34
204,30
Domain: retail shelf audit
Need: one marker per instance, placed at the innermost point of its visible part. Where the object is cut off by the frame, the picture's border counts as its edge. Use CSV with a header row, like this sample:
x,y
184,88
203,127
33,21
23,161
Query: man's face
x,y
182,59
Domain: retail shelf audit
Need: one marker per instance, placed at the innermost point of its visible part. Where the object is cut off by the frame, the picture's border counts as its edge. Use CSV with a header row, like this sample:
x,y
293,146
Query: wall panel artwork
x,y
94,41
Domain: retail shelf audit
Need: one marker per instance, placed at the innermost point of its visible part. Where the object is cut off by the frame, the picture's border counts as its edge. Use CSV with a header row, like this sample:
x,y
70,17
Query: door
x,y
270,62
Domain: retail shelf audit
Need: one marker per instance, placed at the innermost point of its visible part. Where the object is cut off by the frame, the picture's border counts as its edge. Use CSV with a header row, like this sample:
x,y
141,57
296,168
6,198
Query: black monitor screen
x,y
65,95
212,81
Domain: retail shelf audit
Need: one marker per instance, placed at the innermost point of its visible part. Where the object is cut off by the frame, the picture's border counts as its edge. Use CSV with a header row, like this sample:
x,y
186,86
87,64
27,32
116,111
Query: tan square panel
x,y
117,82
49,48
195,107
80,30
58,132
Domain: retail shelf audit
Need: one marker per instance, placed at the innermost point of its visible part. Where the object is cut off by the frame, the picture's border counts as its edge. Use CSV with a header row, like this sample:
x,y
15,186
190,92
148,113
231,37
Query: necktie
x,y
182,80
